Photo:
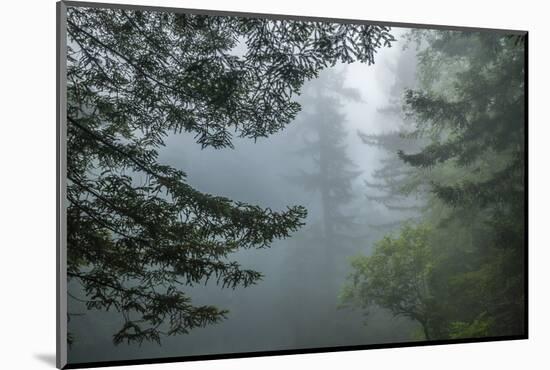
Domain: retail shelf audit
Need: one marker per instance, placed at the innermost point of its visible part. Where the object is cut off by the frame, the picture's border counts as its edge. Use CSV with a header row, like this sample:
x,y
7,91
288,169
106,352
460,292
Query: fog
x,y
296,303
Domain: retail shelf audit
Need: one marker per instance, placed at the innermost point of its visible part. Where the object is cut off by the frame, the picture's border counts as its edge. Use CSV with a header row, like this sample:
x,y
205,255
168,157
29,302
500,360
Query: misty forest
x,y
240,184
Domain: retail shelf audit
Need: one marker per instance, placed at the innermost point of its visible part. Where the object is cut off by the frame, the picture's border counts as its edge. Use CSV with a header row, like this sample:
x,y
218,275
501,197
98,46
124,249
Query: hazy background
x,y
296,303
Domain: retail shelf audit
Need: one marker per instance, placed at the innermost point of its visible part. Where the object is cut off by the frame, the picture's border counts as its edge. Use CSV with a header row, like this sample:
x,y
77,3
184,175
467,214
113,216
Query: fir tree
x,y
395,184
319,257
469,108
477,130
138,234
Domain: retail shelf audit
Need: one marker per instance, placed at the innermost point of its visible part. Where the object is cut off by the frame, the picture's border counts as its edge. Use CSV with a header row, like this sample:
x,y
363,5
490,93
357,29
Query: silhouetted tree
x,y
324,135
321,248
137,232
393,182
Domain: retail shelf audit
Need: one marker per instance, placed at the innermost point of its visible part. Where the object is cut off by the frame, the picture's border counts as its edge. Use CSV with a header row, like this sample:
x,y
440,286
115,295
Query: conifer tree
x,y
470,110
138,233
333,172
332,232
395,184
478,132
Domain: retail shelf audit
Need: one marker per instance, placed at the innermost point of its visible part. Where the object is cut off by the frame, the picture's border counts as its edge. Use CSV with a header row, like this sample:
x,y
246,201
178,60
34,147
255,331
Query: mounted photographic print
x,y
235,184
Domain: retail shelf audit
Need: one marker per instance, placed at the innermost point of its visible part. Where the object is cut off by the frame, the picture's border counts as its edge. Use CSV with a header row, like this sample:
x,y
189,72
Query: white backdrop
x,y
27,182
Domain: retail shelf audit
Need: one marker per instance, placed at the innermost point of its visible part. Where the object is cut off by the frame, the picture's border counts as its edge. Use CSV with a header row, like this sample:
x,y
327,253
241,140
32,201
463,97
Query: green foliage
x,y
469,109
138,234
478,132
478,328
397,276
